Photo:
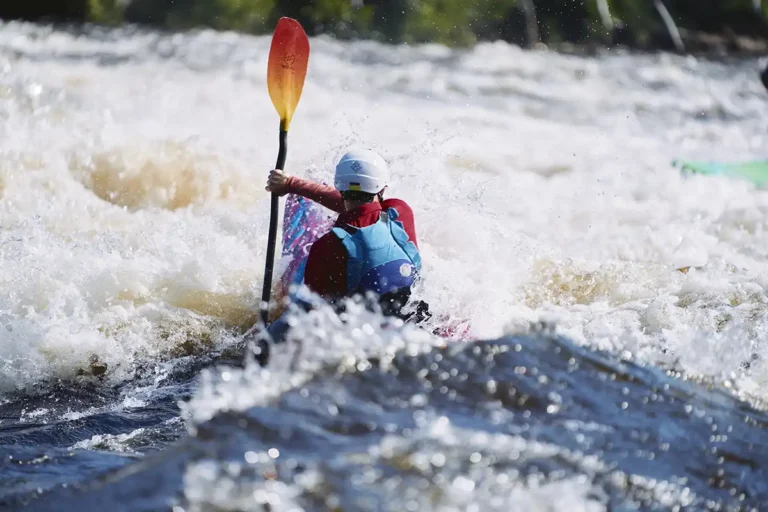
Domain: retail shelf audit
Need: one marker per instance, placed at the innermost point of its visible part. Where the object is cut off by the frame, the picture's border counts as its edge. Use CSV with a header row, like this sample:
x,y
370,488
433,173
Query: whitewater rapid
x,y
133,216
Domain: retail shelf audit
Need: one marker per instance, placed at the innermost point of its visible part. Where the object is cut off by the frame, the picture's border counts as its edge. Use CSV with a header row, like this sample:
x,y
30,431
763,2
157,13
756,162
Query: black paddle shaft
x,y
267,290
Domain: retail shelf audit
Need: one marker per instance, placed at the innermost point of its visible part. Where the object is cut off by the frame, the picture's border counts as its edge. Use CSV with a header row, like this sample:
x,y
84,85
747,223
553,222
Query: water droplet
x,y
260,495
464,484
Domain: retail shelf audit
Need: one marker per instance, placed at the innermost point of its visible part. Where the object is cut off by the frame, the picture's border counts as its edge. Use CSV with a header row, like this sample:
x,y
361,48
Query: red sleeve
x,y
317,192
404,215
326,271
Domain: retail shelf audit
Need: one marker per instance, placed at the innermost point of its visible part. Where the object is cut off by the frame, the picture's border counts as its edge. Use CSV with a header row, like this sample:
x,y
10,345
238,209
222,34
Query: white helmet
x,y
361,170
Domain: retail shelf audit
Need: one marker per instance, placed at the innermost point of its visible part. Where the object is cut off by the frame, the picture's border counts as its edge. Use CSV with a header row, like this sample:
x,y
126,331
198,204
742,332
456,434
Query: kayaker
x,y
373,245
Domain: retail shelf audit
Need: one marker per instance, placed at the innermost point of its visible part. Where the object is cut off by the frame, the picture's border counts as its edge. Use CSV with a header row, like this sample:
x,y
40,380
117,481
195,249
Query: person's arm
x,y
326,271
281,183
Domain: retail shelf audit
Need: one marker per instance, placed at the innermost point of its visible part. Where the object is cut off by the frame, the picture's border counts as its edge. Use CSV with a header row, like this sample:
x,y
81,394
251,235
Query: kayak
x,y
305,221
754,171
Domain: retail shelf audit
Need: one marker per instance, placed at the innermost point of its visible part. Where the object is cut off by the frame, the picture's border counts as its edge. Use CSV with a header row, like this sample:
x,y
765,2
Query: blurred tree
x,y
57,10
390,19
736,15
439,21
243,15
343,18
528,9
563,20
105,11
637,18
642,23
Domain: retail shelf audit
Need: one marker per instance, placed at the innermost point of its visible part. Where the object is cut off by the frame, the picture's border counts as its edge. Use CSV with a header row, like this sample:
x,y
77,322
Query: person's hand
x,y
277,182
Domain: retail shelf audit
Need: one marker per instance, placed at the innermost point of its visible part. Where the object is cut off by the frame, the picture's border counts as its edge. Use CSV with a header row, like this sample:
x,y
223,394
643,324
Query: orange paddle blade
x,y
288,58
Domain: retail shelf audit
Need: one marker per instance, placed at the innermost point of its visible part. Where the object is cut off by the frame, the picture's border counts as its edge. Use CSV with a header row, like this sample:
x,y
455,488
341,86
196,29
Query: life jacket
x,y
380,258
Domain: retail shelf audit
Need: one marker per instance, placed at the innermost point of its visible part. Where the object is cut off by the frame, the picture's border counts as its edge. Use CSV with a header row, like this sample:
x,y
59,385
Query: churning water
x,y
133,224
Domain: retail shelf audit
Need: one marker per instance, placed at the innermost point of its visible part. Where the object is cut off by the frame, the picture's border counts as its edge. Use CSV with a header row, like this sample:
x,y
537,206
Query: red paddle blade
x,y
287,68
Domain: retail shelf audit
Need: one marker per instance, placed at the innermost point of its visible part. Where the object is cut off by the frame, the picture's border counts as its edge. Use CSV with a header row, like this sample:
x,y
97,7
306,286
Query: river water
x,y
624,304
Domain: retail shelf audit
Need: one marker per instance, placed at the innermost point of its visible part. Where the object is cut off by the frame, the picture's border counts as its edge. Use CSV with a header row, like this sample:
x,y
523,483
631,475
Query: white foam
x,y
108,442
133,219
317,339
436,466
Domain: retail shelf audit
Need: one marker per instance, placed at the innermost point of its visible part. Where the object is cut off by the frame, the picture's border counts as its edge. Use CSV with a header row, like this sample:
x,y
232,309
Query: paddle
x,y
287,67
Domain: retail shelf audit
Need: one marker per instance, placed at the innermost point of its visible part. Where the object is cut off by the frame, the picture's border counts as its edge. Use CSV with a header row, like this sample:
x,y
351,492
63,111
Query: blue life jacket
x,y
380,258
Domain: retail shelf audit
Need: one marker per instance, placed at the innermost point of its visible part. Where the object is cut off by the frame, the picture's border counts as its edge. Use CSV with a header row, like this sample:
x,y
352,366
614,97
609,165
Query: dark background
x,y
725,25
